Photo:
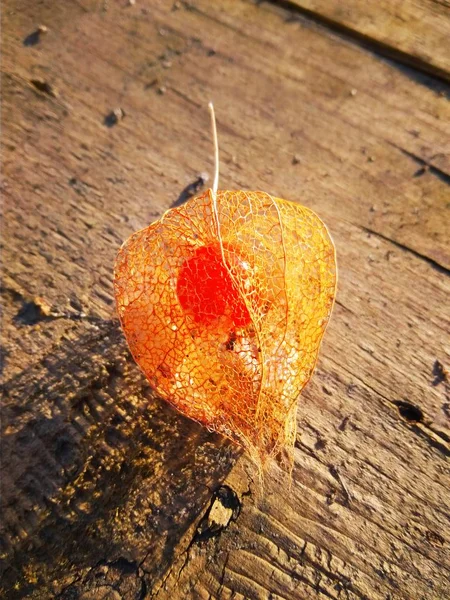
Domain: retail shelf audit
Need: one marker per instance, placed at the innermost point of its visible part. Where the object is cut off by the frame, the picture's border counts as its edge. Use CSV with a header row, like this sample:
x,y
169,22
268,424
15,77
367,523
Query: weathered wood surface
x,y
414,31
105,489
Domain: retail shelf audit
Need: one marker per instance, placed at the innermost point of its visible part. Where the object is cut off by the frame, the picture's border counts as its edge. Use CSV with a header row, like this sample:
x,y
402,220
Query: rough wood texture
x,y
414,31
106,491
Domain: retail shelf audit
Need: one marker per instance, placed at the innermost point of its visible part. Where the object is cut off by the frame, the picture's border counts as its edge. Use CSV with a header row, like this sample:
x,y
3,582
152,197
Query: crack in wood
x,y
395,54
426,164
432,262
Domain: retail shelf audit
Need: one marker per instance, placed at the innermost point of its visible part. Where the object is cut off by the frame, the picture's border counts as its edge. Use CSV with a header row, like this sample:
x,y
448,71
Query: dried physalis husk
x,y
224,305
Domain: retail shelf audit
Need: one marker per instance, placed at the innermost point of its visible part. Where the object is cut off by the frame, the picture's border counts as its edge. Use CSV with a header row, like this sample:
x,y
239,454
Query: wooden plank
x,y
388,539
104,485
415,32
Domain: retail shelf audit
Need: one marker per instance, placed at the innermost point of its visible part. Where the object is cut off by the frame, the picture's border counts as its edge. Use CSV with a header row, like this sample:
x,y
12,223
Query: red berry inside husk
x,y
206,289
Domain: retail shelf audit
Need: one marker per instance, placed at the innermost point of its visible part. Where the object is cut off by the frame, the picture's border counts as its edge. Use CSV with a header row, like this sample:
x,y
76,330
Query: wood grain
x,y
106,491
416,32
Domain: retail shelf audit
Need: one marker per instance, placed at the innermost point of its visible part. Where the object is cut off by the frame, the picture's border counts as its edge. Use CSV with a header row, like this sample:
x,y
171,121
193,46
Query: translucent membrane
x,y
224,307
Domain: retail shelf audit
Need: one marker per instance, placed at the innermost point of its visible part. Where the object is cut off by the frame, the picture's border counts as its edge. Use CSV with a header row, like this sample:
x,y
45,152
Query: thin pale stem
x,y
216,151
